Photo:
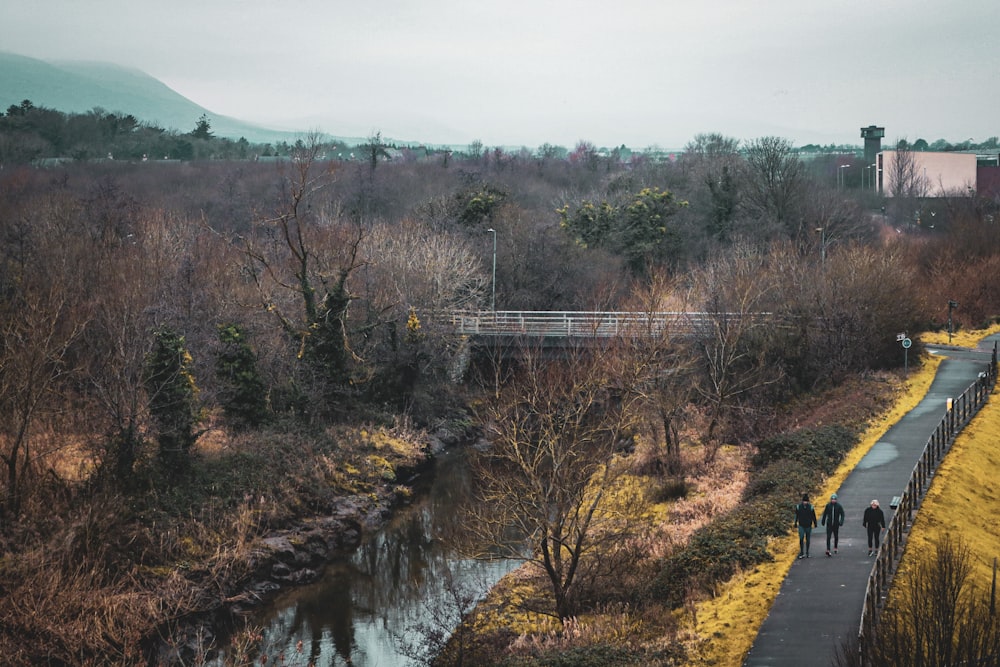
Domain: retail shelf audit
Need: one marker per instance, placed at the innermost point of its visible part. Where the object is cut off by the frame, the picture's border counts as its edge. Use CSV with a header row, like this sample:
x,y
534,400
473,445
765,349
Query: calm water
x,y
392,602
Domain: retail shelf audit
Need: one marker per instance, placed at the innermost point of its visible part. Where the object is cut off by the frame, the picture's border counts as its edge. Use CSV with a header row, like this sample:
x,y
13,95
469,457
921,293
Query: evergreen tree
x,y
203,129
243,393
172,395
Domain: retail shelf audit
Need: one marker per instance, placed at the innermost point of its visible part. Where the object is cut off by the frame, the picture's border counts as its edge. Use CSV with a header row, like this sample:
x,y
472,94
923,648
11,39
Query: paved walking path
x,y
820,603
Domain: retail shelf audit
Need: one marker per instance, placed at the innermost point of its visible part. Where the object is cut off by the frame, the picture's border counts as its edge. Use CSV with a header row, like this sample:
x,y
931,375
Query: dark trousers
x,y
805,534
835,531
873,535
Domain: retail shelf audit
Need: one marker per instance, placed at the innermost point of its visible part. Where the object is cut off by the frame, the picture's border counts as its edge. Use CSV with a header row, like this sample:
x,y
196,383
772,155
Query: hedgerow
x,y
820,449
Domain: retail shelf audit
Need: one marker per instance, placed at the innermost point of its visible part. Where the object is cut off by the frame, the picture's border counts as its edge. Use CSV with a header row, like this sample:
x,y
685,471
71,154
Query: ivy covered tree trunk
x,y
172,394
311,256
326,345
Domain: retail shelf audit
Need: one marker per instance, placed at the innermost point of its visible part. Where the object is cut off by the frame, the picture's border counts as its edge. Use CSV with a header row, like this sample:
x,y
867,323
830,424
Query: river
x,y
397,598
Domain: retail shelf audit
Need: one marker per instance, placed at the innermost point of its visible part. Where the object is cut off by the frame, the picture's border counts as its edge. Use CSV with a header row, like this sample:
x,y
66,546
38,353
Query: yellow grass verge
x,y
726,625
960,338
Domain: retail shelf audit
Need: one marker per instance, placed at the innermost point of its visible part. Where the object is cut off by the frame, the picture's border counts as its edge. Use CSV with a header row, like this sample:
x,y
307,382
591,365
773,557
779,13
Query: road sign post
x,y
906,343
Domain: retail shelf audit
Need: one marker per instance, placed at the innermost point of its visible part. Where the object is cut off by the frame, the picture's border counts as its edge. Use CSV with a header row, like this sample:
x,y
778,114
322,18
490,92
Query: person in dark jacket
x,y
833,519
805,519
874,521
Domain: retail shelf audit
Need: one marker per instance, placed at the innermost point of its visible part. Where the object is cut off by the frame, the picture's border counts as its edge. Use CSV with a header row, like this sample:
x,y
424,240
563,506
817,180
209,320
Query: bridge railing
x,y
600,324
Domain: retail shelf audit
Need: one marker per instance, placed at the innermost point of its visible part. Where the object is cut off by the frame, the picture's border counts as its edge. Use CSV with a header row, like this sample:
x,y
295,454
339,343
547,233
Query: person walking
x,y
874,521
805,519
833,519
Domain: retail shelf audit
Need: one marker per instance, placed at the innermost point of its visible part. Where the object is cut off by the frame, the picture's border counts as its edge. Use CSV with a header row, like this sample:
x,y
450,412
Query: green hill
x,y
79,87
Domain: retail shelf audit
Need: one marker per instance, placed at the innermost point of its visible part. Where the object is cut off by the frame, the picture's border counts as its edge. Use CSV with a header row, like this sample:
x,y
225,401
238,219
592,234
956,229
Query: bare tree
x,y
555,431
904,178
301,261
35,339
711,146
732,336
775,181
430,271
831,222
41,317
119,341
656,343
846,310
906,183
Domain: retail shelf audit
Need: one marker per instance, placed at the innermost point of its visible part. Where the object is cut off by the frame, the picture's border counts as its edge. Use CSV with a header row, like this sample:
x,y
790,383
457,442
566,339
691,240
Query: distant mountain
x,y
79,87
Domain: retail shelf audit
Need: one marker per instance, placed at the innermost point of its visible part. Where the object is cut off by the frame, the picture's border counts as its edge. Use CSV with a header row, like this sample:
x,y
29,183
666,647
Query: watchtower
x,y
873,142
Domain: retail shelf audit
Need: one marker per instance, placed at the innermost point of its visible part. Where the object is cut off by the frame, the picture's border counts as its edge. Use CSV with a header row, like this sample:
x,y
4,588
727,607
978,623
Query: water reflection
x,y
394,601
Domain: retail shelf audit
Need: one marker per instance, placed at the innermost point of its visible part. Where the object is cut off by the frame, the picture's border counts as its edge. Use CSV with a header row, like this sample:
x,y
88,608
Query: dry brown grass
x,y
76,599
87,575
716,489
620,626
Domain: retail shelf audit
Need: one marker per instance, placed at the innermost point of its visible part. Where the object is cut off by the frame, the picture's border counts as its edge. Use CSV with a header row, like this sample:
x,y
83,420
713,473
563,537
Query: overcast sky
x,y
526,72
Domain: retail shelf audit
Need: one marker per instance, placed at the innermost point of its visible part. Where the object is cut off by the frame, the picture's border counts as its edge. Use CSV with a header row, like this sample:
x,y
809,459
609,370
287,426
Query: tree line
x,y
31,133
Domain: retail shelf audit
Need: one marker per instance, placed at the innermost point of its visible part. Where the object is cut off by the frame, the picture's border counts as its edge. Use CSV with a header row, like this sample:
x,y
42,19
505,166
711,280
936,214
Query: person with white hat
x,y
833,519
874,521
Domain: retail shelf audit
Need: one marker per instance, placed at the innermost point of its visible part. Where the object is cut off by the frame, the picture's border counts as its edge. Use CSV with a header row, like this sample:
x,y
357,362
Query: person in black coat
x,y
833,519
874,521
805,519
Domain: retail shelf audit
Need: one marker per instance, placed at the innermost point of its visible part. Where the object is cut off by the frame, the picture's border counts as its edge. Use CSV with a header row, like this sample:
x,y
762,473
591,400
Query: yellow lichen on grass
x,y
630,493
964,338
506,607
726,625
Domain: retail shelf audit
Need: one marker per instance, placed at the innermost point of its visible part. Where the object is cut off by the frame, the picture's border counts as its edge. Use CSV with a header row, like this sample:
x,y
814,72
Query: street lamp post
x,y
822,245
952,304
493,297
841,180
875,177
